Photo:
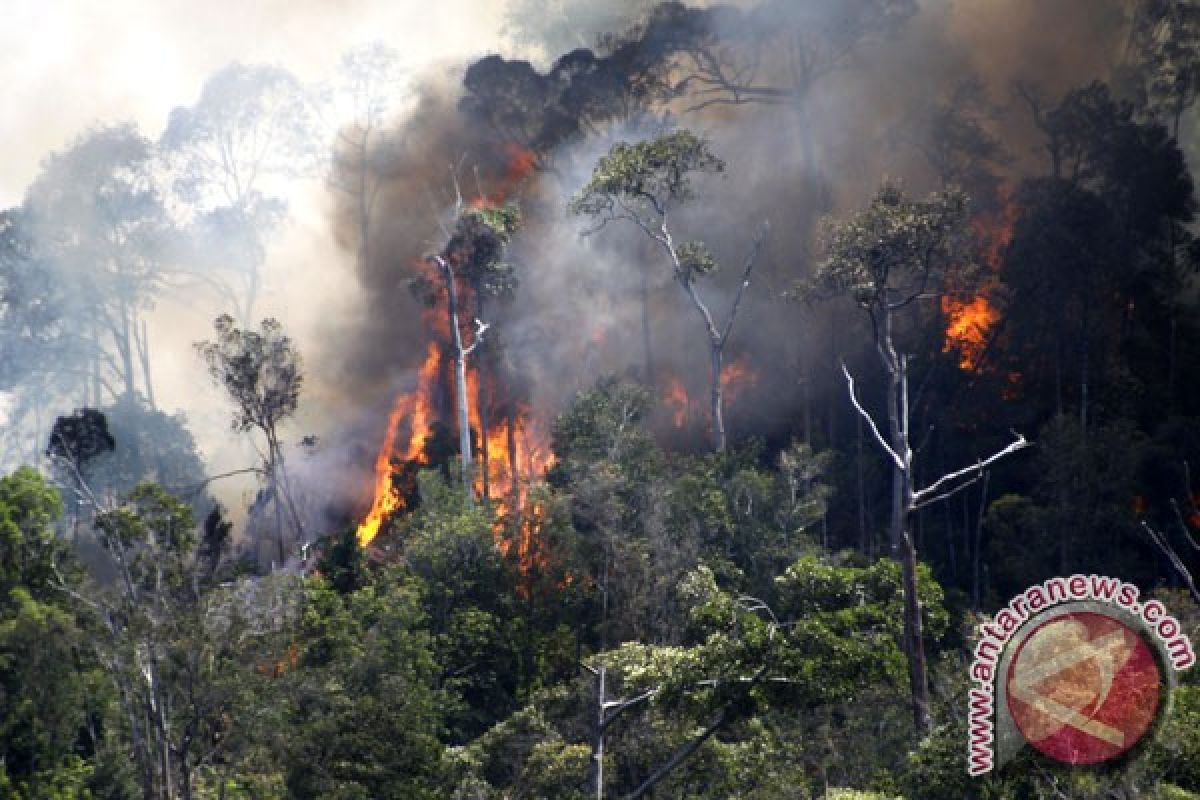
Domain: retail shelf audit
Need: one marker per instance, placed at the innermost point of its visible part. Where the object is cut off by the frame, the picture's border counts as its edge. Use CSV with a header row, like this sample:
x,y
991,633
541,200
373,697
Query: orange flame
x,y
415,407
530,442
967,327
676,401
520,163
969,320
530,552
736,377
527,448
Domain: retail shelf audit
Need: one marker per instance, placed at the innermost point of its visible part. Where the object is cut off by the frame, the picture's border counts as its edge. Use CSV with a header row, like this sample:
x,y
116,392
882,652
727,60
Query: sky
x,y
68,65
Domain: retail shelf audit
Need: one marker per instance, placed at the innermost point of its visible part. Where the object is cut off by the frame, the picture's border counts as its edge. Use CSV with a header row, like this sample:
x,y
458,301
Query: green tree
x,y
262,373
251,123
365,712
1104,232
354,110
177,640
643,184
470,605
45,698
1165,40
98,216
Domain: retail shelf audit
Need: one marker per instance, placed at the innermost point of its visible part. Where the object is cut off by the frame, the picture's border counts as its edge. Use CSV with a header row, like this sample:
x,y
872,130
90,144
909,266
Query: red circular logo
x,y
1083,688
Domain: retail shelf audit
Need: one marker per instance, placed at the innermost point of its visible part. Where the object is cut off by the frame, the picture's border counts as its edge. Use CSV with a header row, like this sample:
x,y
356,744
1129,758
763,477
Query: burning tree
x,y
643,183
470,267
886,258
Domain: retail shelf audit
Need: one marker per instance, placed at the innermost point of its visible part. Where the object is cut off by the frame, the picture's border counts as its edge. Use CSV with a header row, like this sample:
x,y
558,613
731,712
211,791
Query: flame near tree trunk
x,y
736,377
970,320
417,410
515,449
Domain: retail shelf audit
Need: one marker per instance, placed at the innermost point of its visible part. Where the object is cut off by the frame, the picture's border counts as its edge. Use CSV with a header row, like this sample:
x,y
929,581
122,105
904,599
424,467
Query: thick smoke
x,y
816,141
865,108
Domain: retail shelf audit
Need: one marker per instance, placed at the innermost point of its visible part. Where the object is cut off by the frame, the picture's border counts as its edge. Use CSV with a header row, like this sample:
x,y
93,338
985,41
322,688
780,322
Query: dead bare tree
x,y
461,352
471,261
886,258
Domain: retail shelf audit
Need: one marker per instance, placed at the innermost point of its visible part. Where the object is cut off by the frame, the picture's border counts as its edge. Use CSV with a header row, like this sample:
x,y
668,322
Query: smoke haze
x,y
577,313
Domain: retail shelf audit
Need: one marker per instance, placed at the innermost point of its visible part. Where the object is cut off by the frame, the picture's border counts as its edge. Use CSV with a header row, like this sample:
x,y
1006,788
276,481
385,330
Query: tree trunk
x,y
142,340
976,555
460,382
903,547
124,342
464,421
914,636
861,490
283,483
597,765
364,204
277,503
647,352
717,395
514,470
481,402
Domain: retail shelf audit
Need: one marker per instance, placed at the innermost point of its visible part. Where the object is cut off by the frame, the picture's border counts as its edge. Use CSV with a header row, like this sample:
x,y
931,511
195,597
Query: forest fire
x,y
526,547
516,453
967,327
970,320
519,165
736,377
676,401
416,408
513,449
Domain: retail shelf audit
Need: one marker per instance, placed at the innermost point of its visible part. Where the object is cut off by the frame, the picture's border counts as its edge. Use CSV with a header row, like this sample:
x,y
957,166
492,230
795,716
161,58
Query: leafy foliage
x,y
646,177
260,370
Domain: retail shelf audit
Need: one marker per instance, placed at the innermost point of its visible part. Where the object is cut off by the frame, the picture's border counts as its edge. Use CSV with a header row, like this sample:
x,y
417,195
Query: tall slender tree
x,y
887,258
644,184
470,267
252,125
262,373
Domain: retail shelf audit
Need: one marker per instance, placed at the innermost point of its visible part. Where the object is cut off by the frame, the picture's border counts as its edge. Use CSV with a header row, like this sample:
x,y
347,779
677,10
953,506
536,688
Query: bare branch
x,y
934,491
619,707
1164,546
480,329
948,493
899,462
759,237
195,487
687,749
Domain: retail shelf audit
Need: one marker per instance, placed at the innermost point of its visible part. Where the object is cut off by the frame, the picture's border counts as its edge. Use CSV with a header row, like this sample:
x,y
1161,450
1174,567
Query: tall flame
x,y
967,327
970,320
417,409
676,401
526,446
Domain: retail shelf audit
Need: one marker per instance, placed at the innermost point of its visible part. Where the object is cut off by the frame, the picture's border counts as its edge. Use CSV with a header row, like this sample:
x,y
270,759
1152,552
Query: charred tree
x,y
470,267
